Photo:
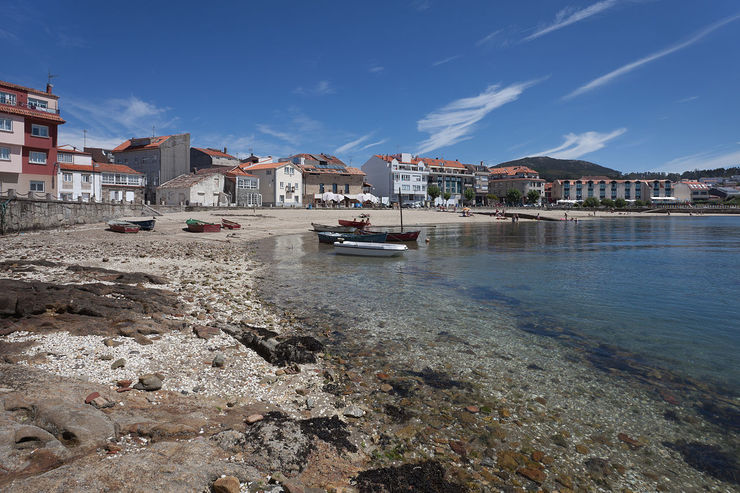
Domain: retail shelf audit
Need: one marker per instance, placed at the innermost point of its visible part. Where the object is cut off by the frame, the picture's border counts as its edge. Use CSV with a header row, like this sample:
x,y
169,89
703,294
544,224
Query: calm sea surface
x,y
666,290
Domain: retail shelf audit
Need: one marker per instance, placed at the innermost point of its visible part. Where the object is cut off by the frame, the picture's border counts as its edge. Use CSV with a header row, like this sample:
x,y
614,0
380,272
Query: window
x,y
134,180
86,178
37,157
108,179
268,172
405,177
65,157
346,188
67,177
334,187
37,104
282,185
321,188
39,130
7,98
5,153
67,197
37,186
86,197
289,170
282,198
6,124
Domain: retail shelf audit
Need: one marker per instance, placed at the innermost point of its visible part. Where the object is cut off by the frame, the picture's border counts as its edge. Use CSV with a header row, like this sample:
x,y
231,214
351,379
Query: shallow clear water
x,y
665,289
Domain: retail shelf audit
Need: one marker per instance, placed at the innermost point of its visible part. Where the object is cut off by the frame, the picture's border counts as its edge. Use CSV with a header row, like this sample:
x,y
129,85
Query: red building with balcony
x,y
28,139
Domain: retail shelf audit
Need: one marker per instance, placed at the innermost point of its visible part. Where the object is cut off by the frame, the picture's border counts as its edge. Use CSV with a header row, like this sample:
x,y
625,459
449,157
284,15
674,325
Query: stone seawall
x,y
22,214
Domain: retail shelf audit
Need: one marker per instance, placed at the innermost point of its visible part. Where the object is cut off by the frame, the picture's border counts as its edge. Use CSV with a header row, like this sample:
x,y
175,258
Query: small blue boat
x,y
327,237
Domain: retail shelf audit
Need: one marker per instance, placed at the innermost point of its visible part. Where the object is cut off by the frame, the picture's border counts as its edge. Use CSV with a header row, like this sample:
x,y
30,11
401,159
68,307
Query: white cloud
x,y
577,145
448,59
7,35
291,139
703,160
487,38
686,100
421,5
76,137
368,146
353,144
376,69
321,88
455,121
604,79
567,17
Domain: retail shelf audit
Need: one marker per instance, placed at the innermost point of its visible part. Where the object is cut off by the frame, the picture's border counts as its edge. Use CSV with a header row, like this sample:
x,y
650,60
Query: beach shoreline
x,y
249,386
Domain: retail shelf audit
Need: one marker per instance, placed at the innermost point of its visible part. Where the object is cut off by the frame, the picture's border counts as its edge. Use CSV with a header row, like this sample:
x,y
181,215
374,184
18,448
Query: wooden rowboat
x,y
326,237
230,224
400,236
123,226
198,226
355,224
145,225
333,229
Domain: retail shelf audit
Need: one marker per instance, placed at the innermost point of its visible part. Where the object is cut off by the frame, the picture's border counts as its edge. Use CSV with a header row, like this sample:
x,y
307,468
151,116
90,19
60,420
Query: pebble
x,y
119,363
472,409
253,418
219,361
226,484
386,388
354,412
149,382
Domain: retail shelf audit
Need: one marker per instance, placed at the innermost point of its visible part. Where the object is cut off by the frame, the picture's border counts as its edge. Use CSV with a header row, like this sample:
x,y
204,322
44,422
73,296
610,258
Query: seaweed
x,y
439,380
709,459
426,476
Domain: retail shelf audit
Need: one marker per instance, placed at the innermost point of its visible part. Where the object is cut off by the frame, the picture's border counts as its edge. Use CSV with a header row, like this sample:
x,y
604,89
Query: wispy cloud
x,y
321,88
368,146
567,16
604,79
577,145
487,38
376,69
267,130
7,35
712,159
353,144
686,100
448,59
455,121
421,5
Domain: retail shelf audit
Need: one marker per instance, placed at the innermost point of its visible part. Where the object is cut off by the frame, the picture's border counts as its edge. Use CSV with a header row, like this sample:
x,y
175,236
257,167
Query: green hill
x,y
566,169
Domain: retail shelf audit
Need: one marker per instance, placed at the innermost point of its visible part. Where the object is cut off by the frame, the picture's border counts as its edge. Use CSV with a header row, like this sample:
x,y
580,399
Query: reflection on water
x,y
666,289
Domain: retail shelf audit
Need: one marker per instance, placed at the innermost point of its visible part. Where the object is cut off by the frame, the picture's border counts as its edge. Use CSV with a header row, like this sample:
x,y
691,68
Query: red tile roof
x,y
64,148
443,163
512,170
77,167
115,168
261,166
320,157
214,152
154,142
9,108
16,87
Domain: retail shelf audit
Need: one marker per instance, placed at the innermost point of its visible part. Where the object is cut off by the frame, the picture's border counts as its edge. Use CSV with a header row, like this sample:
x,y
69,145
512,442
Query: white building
x,y
391,175
691,191
281,184
76,177
206,188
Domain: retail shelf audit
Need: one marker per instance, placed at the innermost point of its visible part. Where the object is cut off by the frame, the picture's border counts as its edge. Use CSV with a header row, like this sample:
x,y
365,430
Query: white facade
x,y
205,190
280,184
391,175
690,191
11,147
76,178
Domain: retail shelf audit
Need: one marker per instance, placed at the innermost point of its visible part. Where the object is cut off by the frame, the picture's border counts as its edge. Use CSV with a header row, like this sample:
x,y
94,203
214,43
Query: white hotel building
x,y
391,175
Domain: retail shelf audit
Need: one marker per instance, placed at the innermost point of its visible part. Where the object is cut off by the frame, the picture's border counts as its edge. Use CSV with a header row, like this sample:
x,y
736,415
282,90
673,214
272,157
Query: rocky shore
x,y
148,363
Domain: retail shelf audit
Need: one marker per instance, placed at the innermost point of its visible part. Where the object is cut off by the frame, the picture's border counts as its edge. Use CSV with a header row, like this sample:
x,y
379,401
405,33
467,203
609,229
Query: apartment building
x,y
280,184
519,178
206,157
324,173
76,176
397,175
481,176
28,140
602,187
450,176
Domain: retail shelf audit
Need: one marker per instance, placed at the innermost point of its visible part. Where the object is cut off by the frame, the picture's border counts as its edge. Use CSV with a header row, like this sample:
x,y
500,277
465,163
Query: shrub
x,y
620,203
591,202
607,202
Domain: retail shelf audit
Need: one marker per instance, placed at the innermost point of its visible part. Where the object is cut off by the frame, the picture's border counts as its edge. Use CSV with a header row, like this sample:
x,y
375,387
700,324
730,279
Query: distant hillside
x,y
567,169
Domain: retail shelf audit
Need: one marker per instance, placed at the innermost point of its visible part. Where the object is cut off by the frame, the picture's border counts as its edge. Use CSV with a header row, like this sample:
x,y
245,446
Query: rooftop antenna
x,y
50,76
84,138
153,131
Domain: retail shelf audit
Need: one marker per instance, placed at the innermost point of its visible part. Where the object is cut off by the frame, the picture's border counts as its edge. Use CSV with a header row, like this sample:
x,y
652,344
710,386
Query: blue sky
x,y
635,85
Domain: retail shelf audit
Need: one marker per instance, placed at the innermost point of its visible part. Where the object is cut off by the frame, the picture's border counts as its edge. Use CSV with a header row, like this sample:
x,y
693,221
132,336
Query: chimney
x,y
49,87
225,150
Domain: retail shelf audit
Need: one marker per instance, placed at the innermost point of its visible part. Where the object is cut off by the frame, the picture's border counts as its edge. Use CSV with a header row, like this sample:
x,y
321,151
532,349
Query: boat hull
x,y
196,226
147,225
230,224
399,237
326,237
354,224
369,249
123,227
323,228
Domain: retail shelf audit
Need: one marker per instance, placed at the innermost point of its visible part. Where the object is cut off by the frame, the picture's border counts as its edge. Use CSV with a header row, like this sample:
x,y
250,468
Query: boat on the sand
x,y
198,226
144,224
230,224
328,237
355,223
122,226
333,229
369,249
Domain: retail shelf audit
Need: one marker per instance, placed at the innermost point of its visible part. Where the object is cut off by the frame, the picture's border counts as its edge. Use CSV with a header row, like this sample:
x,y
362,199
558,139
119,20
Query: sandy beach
x,y
181,379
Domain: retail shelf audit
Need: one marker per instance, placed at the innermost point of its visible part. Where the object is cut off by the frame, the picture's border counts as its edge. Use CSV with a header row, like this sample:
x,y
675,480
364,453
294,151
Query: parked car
x,y
412,205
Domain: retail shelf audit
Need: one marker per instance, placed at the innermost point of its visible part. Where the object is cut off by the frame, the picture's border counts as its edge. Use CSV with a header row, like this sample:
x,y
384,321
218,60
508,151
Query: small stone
x,y
113,448
149,382
205,332
124,383
634,444
581,449
536,475
386,388
541,400
354,412
219,361
310,403
106,357
253,418
227,484
301,391
504,413
280,372
105,259
90,397
119,363
382,376
123,389
459,448
566,481
293,486
102,403
472,409
268,379
538,455
142,339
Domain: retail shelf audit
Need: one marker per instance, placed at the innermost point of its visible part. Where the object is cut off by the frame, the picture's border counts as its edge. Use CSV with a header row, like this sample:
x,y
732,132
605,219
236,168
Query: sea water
x,y
664,292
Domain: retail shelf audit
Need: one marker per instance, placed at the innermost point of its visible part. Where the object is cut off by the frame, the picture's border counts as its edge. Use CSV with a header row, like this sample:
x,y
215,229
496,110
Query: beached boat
x,y
333,229
145,225
123,226
369,249
398,236
230,224
198,226
355,224
327,237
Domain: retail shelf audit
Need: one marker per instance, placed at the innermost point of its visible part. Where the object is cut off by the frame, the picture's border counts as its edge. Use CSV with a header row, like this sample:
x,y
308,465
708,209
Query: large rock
x,y
149,382
227,484
75,425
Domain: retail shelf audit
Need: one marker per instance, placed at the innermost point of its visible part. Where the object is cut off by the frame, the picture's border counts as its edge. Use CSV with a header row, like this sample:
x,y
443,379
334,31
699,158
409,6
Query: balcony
x,y
30,106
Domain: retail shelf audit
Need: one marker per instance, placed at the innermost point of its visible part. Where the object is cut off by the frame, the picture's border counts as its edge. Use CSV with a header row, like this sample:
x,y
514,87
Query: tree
x,y
639,203
513,196
591,202
620,203
469,194
491,198
433,192
533,196
447,196
607,202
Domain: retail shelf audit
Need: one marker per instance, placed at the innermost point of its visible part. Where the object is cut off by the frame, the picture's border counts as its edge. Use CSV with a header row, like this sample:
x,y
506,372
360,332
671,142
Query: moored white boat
x,y
369,249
